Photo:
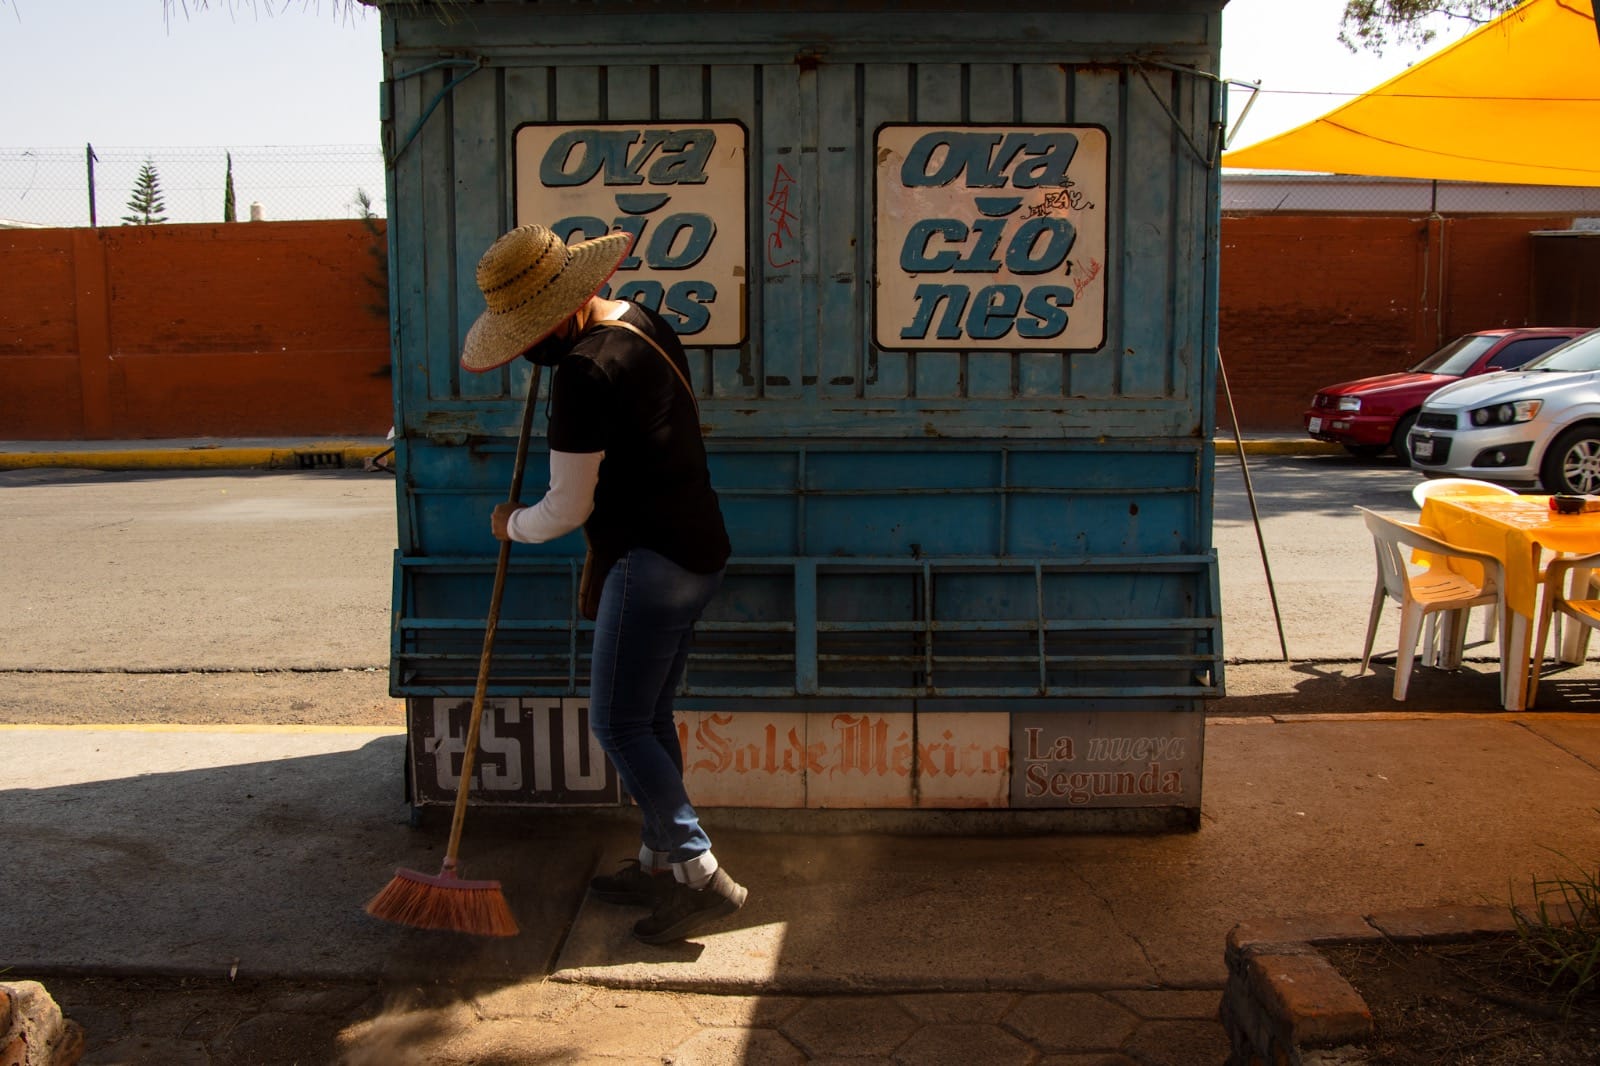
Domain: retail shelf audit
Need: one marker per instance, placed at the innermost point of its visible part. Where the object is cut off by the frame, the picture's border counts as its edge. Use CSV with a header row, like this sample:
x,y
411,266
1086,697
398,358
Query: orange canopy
x,y
1516,102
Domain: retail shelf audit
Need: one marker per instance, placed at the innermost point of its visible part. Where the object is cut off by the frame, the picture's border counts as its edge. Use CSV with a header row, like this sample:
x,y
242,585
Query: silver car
x,y
1536,426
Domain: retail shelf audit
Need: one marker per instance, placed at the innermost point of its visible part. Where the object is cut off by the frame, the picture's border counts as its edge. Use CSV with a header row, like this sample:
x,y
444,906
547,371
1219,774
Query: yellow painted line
x,y
171,727
144,459
221,457
1228,446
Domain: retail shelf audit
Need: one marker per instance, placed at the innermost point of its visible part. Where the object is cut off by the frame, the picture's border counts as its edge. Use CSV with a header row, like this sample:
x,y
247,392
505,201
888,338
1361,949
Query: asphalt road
x,y
232,596
196,571
1317,551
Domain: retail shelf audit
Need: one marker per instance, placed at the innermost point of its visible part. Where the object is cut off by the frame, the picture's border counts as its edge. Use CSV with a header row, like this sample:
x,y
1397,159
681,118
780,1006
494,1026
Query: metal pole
x,y
1250,492
88,154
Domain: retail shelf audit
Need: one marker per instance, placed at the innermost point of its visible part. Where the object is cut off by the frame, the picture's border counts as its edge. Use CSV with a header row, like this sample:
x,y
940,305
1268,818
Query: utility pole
x,y
89,160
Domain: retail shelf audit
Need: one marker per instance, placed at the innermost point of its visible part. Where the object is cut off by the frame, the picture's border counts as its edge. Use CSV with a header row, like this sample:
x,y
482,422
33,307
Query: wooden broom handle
x,y
492,623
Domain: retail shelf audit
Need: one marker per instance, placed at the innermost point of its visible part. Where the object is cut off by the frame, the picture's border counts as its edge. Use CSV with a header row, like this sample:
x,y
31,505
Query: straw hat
x,y
532,282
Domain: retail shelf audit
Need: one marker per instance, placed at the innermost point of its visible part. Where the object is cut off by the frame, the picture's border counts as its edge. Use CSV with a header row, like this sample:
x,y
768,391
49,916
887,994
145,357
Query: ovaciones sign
x,y
678,190
985,237
990,237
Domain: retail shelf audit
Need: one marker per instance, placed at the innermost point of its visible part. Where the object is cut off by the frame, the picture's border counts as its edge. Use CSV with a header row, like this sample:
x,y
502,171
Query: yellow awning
x,y
1516,101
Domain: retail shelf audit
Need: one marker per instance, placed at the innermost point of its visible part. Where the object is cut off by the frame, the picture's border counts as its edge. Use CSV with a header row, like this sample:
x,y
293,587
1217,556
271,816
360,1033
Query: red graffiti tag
x,y
780,216
1081,279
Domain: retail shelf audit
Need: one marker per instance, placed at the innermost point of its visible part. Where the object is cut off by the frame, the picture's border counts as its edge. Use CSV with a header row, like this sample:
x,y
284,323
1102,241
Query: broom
x,y
446,901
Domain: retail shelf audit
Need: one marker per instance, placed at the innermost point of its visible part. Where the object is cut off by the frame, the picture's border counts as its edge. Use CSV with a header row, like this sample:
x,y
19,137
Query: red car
x,y
1370,416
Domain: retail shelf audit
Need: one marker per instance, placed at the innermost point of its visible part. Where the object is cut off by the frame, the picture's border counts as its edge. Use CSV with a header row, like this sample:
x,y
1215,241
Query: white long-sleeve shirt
x,y
567,504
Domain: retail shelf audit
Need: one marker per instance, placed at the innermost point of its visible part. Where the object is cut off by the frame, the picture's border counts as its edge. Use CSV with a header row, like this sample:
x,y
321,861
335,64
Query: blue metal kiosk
x,y
947,276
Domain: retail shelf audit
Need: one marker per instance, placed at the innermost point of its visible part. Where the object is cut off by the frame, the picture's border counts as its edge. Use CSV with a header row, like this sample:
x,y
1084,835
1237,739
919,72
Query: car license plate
x,y
1422,447
1314,425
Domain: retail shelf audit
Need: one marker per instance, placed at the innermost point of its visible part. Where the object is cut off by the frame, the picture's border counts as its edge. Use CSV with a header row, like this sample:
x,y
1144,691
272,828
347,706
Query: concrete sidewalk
x,y
248,852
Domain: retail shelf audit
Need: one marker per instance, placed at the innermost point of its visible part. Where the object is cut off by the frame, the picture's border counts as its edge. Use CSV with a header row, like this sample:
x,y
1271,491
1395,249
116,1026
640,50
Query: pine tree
x,y
146,204
378,249
229,213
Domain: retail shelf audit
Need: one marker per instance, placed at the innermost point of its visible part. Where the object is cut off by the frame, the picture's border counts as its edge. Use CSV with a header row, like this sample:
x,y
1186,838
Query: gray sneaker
x,y
685,909
632,885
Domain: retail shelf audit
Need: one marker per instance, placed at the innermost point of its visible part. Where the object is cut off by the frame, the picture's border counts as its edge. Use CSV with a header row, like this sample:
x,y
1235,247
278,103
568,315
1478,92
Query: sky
x,y
1292,48
118,73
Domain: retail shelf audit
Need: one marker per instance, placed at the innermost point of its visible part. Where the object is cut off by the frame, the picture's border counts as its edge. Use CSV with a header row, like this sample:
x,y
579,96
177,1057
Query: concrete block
x,y
1442,923
1308,929
1315,1005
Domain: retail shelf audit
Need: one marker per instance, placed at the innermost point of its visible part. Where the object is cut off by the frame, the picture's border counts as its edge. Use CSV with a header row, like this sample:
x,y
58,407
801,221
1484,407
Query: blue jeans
x,y
648,609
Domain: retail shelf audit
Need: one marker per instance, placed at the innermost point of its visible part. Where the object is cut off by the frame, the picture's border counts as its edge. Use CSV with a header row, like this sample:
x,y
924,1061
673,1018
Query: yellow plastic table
x,y
1517,530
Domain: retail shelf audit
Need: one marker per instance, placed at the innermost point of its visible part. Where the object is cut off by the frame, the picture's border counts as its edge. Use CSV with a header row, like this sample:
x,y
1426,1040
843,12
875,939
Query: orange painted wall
x,y
236,330
266,329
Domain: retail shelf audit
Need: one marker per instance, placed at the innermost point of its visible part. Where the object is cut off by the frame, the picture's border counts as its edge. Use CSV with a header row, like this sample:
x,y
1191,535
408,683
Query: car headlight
x,y
1506,414
1349,403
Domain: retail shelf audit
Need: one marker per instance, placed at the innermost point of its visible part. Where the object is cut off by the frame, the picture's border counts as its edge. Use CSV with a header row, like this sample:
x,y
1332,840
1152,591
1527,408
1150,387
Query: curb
x,y
1284,1002
1275,446
334,455
320,455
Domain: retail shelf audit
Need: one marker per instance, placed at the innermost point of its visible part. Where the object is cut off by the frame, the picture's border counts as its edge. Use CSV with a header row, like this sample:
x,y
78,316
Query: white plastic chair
x,y
1425,591
1556,603
1456,486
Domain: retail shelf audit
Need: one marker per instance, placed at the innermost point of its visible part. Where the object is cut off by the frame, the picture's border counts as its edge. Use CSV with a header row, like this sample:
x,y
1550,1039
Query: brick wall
x,y
1308,300
238,330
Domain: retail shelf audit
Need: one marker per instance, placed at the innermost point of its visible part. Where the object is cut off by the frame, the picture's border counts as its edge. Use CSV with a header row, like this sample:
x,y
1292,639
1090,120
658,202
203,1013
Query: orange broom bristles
x,y
444,902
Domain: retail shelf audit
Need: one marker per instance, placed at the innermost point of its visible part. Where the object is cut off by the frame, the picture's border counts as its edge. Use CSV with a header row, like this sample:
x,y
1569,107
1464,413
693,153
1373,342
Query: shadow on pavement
x,y
235,884
1308,688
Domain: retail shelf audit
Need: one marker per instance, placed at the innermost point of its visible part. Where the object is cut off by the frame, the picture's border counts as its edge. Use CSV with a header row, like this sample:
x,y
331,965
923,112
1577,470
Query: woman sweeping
x,y
628,465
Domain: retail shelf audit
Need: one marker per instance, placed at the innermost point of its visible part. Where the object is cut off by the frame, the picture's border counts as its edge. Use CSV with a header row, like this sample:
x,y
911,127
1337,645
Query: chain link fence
x,y
94,185
56,187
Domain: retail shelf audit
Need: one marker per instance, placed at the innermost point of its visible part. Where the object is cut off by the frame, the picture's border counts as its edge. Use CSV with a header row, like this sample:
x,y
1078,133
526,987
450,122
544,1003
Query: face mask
x,y
554,348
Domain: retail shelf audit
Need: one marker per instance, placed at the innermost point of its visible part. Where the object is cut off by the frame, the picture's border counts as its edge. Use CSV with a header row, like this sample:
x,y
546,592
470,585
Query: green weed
x,y
1560,933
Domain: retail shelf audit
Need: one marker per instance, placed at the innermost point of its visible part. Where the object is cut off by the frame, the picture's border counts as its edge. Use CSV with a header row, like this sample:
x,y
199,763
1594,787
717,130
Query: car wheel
x,y
1572,463
1366,451
1400,443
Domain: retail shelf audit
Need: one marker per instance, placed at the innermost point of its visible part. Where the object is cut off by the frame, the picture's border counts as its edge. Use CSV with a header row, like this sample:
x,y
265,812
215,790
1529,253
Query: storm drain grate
x,y
318,460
